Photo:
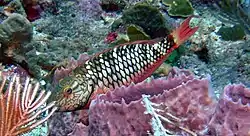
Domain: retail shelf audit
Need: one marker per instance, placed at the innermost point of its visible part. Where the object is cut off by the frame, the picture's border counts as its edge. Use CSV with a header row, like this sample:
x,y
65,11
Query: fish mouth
x,y
52,98
56,104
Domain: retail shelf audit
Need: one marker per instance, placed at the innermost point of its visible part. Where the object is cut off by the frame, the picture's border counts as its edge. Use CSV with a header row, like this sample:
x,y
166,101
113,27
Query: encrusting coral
x,y
21,106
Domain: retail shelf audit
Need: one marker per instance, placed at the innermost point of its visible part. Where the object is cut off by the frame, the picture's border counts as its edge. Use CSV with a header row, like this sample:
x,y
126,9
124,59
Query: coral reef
x,y
235,11
197,3
119,103
62,123
42,39
45,56
57,37
30,9
15,6
243,65
227,60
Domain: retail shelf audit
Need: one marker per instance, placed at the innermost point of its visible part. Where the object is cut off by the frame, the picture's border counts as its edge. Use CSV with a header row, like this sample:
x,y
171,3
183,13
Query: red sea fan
x,y
20,106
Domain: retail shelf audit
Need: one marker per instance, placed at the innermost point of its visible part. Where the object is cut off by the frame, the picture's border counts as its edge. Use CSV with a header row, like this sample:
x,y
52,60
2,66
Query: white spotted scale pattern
x,y
120,65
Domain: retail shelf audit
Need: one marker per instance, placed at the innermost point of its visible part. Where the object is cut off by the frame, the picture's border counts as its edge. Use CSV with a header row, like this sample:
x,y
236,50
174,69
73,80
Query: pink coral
x,y
111,37
232,114
90,9
68,67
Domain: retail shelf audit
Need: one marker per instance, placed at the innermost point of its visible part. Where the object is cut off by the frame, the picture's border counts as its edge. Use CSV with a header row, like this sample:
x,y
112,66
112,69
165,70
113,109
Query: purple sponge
x,y
122,112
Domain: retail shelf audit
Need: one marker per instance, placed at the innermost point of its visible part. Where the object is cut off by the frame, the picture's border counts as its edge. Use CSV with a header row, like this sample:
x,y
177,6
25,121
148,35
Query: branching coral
x,y
21,106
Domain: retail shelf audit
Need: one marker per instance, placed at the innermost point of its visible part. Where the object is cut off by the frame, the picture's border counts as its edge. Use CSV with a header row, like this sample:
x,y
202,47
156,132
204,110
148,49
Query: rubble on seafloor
x,y
225,57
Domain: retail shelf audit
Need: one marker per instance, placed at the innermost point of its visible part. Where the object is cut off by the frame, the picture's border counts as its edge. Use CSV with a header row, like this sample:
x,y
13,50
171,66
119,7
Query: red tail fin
x,y
182,33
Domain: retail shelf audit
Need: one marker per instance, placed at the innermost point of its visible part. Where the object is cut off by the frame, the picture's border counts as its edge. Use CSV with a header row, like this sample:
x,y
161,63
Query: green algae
x,y
148,18
136,33
181,8
232,33
175,56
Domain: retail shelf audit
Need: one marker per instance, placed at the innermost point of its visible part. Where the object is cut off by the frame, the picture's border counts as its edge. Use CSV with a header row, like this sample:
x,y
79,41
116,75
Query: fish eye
x,y
68,90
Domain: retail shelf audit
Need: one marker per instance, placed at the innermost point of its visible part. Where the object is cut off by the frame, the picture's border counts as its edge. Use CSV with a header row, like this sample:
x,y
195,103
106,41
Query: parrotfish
x,y
119,66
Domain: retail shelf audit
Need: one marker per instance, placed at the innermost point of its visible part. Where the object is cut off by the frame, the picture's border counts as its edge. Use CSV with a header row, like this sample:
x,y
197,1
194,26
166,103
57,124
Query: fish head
x,y
70,94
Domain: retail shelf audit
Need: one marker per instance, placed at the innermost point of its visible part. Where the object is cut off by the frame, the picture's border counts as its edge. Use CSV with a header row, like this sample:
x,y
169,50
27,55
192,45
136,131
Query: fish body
x,y
122,65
